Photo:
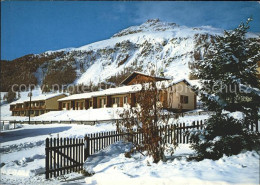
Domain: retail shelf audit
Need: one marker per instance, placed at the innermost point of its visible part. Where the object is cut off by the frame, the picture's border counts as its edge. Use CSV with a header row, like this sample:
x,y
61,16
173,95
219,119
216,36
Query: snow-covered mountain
x,y
165,48
154,45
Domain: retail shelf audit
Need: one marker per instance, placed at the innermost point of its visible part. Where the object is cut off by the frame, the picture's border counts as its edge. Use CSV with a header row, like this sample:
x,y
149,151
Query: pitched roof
x,y
178,81
120,90
106,92
38,98
135,73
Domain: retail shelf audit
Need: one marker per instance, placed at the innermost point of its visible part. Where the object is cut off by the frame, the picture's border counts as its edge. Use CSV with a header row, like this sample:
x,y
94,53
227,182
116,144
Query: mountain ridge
x,y
159,47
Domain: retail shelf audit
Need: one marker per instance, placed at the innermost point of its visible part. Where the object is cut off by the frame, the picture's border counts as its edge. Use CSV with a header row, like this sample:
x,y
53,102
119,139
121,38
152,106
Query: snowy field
x,y
240,169
23,150
22,155
23,162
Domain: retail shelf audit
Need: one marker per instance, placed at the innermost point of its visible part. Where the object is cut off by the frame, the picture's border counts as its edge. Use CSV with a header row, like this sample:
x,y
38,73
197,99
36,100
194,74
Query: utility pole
x,y
30,106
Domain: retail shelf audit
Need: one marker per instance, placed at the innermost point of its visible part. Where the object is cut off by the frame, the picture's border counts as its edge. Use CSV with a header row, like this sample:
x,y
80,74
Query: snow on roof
x,y
17,102
77,96
136,72
38,98
45,96
121,90
195,83
110,91
178,81
188,82
118,90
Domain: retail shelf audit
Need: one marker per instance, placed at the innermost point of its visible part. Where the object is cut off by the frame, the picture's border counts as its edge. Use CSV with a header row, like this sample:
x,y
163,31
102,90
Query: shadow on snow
x,y
25,133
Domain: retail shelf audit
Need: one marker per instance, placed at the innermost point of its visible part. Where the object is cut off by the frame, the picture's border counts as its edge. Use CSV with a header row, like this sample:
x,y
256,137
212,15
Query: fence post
x,y
86,148
54,157
177,132
50,157
47,159
183,133
58,157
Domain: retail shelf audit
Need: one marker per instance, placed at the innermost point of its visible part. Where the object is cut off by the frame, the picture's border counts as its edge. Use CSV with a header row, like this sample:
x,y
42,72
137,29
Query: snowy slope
x,y
159,46
153,45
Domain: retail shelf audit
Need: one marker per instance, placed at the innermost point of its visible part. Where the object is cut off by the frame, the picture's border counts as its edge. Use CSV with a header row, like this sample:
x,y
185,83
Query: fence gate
x,y
63,155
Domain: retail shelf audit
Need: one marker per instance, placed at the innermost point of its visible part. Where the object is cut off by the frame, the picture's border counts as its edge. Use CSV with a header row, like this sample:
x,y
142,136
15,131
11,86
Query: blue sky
x,y
38,26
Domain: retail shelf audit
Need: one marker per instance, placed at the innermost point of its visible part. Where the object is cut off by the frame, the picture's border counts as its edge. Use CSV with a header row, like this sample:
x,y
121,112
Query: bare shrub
x,y
147,118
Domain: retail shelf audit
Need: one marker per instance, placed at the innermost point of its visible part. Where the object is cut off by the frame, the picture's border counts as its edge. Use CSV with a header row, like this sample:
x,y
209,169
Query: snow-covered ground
x,y
73,115
23,156
112,167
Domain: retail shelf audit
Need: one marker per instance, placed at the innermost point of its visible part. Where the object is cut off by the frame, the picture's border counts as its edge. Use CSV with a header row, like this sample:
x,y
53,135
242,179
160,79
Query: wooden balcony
x,y
36,107
28,108
18,109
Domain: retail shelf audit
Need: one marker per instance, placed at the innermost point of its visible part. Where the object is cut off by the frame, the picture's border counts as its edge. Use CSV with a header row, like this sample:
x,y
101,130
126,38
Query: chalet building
x,y
138,78
174,96
113,97
39,105
180,96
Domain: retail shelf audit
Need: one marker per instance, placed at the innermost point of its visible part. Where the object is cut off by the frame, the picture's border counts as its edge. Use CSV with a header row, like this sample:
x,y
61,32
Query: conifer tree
x,y
228,72
229,81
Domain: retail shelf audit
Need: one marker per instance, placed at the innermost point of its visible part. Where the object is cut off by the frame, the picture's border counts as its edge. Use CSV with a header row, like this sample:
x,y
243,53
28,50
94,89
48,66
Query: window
x,y
81,105
125,99
116,100
102,102
63,105
90,103
184,99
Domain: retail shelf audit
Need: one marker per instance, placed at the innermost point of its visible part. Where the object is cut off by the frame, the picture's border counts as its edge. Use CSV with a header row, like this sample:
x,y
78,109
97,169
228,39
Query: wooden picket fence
x,y
63,155
66,155
98,141
7,125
